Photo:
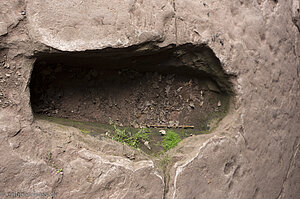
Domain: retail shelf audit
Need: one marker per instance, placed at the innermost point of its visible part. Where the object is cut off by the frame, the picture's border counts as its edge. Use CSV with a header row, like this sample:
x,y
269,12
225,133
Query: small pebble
x,y
146,143
201,104
162,132
148,103
179,89
192,105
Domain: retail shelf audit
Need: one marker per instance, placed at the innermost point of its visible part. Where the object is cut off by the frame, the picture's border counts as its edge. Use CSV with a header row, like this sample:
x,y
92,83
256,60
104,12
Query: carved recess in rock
x,y
172,86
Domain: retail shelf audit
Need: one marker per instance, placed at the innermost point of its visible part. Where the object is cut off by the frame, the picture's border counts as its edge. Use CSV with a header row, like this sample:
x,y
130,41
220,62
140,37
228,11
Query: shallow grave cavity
x,y
180,87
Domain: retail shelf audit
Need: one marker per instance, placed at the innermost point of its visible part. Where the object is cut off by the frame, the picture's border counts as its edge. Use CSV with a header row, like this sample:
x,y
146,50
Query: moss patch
x,y
132,138
170,140
148,140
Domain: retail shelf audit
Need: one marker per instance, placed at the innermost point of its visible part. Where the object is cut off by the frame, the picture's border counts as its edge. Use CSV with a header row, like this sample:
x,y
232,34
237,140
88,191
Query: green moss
x,y
132,136
133,139
59,170
163,160
170,140
84,131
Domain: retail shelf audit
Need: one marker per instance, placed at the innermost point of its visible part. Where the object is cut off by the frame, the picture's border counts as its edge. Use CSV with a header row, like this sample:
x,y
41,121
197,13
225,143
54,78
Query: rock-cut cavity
x,y
181,87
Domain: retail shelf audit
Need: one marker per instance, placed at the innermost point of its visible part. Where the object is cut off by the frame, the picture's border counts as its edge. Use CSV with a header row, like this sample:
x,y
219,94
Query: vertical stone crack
x,y
175,17
295,150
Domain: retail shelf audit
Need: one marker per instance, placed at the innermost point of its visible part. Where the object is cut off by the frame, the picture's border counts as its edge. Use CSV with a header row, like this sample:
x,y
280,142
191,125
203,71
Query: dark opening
x,y
173,86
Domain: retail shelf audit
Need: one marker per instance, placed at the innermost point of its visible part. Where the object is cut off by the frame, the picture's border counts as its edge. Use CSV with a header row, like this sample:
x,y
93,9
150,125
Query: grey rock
x,y
3,28
252,153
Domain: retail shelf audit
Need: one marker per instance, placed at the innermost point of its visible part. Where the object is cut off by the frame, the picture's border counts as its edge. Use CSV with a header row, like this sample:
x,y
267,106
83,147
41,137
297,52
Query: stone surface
x,y
253,153
61,160
9,124
10,15
60,24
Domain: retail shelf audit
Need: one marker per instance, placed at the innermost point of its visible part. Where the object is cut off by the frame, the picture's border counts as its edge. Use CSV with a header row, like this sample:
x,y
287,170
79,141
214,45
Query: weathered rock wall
x,y
254,153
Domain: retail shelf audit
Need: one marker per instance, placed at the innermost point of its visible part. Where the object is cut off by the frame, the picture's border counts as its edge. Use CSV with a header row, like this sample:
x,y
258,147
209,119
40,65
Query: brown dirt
x,y
126,91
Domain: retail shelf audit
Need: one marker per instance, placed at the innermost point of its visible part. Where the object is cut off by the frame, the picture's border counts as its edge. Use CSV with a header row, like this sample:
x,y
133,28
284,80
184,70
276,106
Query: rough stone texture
x,y
254,153
60,25
260,44
92,168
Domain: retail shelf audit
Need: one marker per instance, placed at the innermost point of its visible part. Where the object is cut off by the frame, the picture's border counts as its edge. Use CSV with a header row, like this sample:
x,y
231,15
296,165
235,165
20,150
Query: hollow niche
x,y
172,87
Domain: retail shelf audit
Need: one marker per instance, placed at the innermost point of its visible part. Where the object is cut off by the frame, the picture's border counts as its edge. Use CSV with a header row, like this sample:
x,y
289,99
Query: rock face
x,y
254,151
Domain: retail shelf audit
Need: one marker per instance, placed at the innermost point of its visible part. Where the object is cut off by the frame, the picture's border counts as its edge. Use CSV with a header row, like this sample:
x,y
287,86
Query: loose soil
x,y
170,88
100,131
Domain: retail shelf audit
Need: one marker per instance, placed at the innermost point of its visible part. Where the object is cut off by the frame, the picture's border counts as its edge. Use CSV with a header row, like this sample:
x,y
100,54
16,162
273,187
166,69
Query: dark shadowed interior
x,y
173,86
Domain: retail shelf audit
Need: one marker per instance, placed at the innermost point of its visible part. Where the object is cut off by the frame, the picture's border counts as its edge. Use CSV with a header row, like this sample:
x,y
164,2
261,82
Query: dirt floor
x,y
99,131
126,91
